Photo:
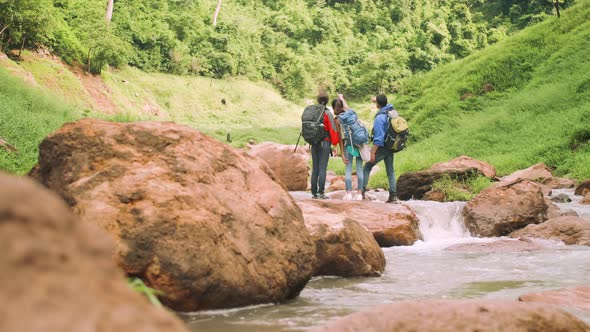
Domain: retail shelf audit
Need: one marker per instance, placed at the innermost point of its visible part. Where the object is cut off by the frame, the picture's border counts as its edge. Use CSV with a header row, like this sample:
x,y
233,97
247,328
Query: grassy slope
x,y
54,95
540,105
27,115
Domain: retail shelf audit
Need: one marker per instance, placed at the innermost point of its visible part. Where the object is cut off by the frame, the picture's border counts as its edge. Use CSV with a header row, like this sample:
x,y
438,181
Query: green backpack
x,y
397,132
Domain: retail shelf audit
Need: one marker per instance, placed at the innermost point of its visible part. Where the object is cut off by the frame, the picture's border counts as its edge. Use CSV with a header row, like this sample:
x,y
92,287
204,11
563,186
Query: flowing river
x,y
424,270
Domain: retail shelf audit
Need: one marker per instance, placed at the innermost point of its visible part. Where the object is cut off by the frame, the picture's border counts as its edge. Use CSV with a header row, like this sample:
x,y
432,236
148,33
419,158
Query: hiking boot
x,y
314,196
322,196
392,198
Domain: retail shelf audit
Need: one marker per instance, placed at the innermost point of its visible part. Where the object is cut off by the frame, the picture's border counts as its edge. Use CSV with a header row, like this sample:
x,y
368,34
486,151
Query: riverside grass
x,y
538,109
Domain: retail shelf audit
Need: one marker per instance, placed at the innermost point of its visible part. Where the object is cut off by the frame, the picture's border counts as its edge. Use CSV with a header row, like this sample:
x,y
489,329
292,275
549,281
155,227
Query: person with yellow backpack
x,y
390,133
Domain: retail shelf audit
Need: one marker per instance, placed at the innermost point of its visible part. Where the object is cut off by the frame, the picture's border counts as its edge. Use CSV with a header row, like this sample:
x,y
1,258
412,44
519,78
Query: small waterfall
x,y
440,221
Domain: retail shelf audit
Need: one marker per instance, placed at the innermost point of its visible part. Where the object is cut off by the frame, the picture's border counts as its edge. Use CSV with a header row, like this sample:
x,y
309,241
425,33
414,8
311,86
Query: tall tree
x,y
110,6
216,12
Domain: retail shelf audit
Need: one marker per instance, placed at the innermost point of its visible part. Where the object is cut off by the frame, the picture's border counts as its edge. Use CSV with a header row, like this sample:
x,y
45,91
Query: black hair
x,y
336,101
381,101
323,98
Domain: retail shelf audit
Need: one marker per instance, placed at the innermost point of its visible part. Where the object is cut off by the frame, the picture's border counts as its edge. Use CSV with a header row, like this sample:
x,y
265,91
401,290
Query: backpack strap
x,y
330,117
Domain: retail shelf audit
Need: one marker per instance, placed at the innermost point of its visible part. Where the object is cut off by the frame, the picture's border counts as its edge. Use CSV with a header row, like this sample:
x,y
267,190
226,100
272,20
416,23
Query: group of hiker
x,y
322,130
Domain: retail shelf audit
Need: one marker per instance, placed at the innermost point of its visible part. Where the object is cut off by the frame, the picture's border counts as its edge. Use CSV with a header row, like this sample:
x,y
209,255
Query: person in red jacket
x,y
320,152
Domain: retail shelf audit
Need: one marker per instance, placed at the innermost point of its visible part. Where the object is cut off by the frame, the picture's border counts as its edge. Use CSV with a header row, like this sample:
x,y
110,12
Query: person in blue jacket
x,y
379,152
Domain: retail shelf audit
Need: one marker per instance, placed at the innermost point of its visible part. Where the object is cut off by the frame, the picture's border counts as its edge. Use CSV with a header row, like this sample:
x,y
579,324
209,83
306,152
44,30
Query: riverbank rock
x,y
413,185
466,162
290,168
520,245
203,222
577,297
458,315
538,172
345,248
558,183
57,273
568,229
390,224
505,207
583,188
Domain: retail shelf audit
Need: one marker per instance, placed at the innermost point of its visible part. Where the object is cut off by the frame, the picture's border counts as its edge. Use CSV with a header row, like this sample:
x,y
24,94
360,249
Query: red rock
x,y
57,273
568,229
391,224
505,207
290,168
203,222
458,315
346,249
466,162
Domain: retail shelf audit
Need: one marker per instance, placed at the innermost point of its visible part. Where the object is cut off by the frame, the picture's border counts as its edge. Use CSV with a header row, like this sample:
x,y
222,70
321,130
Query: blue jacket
x,y
380,125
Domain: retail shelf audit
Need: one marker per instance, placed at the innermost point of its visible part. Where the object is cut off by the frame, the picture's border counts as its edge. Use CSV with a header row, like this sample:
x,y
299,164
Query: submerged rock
x,y
499,246
194,218
57,273
458,315
577,297
568,229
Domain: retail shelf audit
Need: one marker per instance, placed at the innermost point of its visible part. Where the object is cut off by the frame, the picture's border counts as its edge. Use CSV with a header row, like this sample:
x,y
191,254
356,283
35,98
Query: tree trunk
x,y
556,5
216,13
110,6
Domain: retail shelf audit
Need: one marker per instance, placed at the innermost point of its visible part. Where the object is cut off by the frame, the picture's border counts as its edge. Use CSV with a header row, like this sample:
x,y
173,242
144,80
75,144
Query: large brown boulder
x,y
503,208
578,297
413,185
458,316
568,229
290,166
466,162
57,273
583,188
201,221
346,249
537,172
391,224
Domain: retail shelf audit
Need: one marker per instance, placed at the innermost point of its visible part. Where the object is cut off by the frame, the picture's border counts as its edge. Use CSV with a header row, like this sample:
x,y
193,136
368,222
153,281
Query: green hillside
x,y
518,102
355,46
522,101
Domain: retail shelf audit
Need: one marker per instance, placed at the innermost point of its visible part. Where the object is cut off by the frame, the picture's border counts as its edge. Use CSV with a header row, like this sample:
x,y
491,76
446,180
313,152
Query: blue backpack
x,y
354,129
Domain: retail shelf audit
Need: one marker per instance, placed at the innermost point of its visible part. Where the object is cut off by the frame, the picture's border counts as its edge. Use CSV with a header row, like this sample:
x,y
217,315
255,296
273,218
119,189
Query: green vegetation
x,y
356,46
522,101
457,190
27,115
137,285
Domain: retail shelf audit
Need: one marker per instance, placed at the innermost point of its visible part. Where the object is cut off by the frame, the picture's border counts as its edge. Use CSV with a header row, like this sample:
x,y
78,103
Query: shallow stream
x,y
424,270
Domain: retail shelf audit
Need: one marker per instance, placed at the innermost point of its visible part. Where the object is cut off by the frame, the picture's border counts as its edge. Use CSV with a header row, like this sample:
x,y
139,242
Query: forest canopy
x,y
359,47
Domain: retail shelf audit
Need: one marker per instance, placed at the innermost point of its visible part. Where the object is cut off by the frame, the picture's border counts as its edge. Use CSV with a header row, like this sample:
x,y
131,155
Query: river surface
x,y
424,270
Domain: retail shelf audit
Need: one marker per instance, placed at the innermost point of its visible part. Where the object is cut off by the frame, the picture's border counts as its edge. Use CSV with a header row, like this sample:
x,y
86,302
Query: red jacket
x,y
334,138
